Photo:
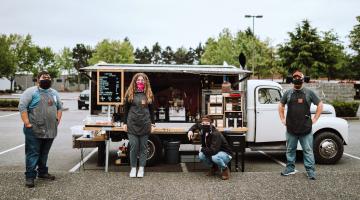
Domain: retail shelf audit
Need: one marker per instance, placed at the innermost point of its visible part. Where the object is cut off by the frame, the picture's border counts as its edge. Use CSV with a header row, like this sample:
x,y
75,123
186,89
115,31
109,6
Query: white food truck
x,y
185,92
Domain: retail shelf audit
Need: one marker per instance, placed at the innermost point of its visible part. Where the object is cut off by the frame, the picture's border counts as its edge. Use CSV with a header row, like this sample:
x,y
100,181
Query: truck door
x,y
268,126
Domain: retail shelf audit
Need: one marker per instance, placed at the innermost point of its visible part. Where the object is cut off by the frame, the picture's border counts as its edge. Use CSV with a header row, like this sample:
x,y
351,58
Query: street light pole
x,y
253,31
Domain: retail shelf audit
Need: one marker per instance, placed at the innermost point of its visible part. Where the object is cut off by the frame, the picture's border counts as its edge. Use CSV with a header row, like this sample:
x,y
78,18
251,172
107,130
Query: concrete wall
x,y
330,91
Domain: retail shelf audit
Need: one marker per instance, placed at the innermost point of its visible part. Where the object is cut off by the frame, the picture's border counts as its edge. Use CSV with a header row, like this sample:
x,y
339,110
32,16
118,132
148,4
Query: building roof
x,y
170,68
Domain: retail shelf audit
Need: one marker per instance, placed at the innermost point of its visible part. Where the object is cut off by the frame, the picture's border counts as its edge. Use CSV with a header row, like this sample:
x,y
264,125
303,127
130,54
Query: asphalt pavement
x,y
261,179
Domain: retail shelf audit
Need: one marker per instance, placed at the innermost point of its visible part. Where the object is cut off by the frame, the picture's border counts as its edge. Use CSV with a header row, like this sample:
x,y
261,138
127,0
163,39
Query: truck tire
x,y
328,148
154,150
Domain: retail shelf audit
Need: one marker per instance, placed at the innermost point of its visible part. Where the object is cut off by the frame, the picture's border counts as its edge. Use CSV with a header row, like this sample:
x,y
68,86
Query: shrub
x,y
9,103
345,109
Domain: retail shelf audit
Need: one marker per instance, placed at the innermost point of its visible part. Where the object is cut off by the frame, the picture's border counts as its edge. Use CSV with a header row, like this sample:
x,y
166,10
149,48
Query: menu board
x,y
110,87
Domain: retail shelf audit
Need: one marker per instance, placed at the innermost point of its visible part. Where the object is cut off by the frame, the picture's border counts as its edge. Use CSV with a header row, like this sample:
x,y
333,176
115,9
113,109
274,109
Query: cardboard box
x,y
219,98
212,110
212,99
219,110
219,123
228,106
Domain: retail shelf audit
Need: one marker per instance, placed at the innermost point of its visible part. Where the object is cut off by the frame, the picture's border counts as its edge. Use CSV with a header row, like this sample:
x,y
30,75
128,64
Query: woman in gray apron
x,y
139,120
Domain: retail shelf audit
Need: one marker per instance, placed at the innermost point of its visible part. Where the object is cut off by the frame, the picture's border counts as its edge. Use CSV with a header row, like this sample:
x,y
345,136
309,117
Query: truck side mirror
x,y
289,79
307,79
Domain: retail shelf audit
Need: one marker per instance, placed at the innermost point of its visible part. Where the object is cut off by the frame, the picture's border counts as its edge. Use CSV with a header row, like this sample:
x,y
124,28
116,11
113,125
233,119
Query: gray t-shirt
x,y
310,95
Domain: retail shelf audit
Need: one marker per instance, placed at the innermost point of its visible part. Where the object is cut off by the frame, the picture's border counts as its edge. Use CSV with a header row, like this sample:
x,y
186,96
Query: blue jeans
x,y
138,146
306,142
221,159
36,154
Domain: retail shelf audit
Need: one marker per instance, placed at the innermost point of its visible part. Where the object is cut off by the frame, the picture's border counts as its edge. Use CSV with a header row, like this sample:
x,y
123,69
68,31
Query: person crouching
x,y
215,151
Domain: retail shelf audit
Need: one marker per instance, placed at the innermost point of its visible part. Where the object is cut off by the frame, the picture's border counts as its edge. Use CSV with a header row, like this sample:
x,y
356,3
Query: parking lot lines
x,y
21,145
77,166
272,158
9,115
352,156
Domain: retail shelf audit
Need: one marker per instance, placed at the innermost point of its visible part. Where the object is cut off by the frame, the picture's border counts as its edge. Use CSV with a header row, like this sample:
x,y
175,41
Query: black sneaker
x,y
29,182
47,176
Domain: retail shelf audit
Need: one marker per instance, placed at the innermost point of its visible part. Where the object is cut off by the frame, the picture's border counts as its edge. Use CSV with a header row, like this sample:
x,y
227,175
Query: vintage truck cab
x,y
185,92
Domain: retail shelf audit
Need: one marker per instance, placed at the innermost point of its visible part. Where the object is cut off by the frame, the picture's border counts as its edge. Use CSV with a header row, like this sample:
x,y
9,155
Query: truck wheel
x,y
328,148
154,150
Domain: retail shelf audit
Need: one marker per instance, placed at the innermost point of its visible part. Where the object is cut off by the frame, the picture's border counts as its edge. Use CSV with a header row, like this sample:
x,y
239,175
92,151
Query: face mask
x,y
140,86
45,84
298,81
206,128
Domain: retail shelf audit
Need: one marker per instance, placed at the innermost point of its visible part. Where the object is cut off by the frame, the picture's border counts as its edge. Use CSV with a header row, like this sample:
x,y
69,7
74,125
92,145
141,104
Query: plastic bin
x,y
172,152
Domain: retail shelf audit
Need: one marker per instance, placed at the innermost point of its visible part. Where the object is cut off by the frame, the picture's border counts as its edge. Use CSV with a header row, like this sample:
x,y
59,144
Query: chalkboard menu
x,y
110,87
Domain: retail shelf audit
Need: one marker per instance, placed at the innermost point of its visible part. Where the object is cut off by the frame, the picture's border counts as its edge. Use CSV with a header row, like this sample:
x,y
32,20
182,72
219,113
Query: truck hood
x,y
328,110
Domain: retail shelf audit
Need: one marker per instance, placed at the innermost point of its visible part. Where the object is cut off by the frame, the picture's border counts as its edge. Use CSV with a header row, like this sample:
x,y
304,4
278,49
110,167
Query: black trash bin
x,y
172,152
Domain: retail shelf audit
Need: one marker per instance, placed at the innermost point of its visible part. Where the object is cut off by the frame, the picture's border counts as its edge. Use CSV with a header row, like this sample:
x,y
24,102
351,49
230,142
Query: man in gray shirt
x,y
40,108
299,123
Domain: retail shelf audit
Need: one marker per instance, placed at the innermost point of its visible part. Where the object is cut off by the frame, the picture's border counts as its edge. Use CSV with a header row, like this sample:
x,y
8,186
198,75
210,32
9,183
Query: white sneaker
x,y
132,172
140,173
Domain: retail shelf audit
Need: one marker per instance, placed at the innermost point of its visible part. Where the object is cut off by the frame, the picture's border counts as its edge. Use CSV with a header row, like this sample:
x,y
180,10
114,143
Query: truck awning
x,y
168,68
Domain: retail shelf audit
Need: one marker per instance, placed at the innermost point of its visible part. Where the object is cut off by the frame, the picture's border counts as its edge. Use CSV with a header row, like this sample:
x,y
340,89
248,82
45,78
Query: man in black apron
x,y
299,123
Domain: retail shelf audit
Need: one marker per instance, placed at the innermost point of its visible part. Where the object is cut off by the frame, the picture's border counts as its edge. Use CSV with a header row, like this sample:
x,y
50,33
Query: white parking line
x,y
184,168
352,156
9,115
12,149
272,158
77,166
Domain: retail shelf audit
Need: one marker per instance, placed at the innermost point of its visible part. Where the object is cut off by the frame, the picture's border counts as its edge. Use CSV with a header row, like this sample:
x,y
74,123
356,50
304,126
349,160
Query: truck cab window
x,y
269,96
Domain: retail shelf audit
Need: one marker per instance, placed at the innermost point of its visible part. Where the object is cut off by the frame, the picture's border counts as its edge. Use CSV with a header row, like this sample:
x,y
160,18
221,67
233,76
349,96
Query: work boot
x,y
212,170
29,182
225,175
47,176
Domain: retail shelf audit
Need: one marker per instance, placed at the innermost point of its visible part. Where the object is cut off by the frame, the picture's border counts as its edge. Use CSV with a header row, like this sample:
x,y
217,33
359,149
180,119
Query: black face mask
x,y
45,84
298,81
206,128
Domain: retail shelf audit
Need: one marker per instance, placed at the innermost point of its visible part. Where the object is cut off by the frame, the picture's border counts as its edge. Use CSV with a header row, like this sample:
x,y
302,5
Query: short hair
x,y
206,118
42,73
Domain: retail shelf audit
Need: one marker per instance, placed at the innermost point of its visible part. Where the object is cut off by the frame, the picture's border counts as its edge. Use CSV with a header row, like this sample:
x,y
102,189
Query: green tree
x,y
303,51
113,52
156,54
81,55
199,51
228,47
7,58
64,61
333,55
20,55
46,61
142,56
167,55
181,56
355,45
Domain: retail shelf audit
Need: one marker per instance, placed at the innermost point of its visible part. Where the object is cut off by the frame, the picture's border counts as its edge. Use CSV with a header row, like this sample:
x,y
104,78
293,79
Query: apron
x,y
298,118
139,122
44,117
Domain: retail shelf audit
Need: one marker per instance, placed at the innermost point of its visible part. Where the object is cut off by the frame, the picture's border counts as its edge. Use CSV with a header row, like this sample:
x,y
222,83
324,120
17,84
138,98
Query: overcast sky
x,y
64,23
